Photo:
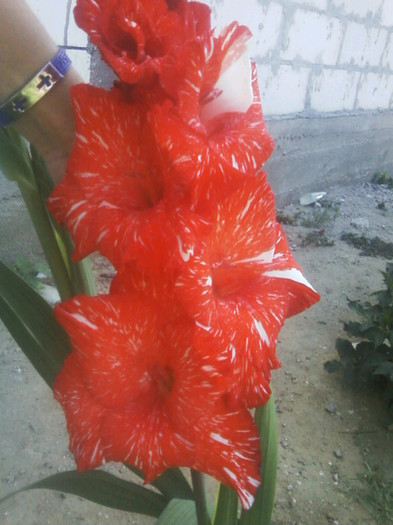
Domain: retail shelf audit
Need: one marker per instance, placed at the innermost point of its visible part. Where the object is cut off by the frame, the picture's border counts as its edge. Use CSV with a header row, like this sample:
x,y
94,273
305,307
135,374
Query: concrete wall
x,y
326,76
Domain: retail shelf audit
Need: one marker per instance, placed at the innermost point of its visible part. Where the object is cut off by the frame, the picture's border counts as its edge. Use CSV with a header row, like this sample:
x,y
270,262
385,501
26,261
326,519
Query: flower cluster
x,y
165,181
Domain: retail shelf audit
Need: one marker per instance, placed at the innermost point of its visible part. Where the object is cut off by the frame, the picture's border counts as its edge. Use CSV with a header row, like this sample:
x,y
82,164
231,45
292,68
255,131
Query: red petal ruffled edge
x,y
285,276
228,448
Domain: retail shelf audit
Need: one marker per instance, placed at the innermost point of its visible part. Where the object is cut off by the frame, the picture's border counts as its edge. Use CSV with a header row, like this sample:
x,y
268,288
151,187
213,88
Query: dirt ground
x,y
327,434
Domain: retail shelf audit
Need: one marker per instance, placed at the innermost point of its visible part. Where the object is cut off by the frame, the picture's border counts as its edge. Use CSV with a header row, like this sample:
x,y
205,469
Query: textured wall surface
x,y
326,77
318,55
325,70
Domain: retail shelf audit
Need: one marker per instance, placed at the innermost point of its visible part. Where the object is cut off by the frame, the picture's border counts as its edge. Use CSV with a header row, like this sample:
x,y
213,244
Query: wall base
x,y
313,154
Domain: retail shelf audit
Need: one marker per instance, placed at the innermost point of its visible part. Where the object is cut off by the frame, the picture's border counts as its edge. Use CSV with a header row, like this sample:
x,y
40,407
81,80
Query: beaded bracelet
x,y
23,99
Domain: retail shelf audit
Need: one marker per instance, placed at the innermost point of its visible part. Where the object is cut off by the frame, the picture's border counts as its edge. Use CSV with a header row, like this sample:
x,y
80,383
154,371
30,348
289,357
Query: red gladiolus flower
x,y
113,197
212,142
243,285
135,37
135,389
165,181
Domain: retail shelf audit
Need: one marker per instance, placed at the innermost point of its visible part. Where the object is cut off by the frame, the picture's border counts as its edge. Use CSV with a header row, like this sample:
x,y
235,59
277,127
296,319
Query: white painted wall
x,y
318,56
57,18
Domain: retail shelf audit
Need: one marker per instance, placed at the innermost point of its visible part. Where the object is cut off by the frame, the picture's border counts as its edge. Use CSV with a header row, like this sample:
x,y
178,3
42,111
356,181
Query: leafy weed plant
x,y
315,216
374,247
376,495
325,213
316,238
29,270
371,360
383,179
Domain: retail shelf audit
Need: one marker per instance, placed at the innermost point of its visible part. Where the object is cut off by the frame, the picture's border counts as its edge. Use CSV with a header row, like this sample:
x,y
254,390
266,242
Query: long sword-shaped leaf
x,y
23,165
179,512
105,489
226,507
172,483
14,156
80,272
31,322
261,512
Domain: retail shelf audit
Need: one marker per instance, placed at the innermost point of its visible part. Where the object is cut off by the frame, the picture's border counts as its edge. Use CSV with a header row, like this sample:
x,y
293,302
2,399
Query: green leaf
x,y
31,322
179,512
356,307
103,488
225,512
333,366
384,369
172,483
345,350
44,181
349,376
262,509
14,157
23,164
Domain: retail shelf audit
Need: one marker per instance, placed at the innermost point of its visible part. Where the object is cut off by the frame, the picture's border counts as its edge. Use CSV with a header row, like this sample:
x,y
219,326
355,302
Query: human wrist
x,y
34,89
18,61
49,125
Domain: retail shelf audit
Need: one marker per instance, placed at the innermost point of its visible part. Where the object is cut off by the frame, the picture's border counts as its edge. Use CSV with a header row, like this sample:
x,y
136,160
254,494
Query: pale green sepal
x,y
262,509
225,512
179,512
103,488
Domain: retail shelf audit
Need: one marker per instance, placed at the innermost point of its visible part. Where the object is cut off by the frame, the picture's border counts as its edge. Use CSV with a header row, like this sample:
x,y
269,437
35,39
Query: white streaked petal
x,y
261,257
234,89
82,319
262,332
292,274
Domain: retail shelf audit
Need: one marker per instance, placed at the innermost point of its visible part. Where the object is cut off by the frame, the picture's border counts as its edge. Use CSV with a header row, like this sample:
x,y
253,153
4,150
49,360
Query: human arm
x,y
25,47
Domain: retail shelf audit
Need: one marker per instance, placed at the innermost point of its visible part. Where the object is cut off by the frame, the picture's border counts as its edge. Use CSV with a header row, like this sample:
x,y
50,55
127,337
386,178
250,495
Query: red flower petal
x,y
229,445
135,37
231,148
131,36
135,389
112,198
242,238
84,415
193,164
285,275
245,272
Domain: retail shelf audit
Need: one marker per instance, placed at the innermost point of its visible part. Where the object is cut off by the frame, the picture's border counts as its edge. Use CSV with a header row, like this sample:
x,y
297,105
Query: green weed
x,y
371,360
29,270
376,495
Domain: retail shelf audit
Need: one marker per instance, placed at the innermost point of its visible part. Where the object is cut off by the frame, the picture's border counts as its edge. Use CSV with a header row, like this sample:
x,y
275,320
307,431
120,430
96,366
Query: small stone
x,y
331,519
50,294
284,444
336,478
331,408
290,488
338,453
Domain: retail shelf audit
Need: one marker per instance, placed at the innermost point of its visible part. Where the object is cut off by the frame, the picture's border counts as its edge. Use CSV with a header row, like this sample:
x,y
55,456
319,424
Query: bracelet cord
x,y
24,98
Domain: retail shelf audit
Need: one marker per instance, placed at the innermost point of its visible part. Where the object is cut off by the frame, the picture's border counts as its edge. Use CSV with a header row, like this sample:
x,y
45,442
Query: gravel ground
x,y
327,434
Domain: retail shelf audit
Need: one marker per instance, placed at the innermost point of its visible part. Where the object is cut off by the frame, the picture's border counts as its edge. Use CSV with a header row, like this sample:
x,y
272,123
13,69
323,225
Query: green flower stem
x,y
200,498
